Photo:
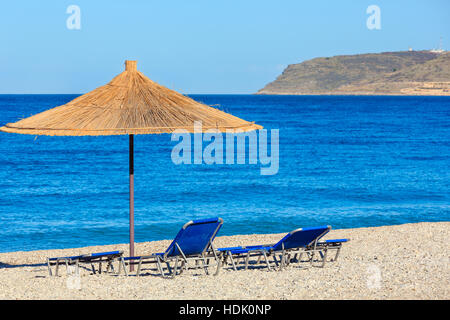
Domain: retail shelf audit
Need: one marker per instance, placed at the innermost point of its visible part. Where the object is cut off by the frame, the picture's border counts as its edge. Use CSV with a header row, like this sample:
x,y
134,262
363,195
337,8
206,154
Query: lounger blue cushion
x,y
295,239
194,237
229,248
139,257
69,258
301,237
87,256
335,241
101,254
244,248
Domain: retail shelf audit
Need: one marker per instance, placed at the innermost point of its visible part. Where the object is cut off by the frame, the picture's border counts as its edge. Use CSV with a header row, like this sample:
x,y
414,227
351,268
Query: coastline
x,y
349,94
408,261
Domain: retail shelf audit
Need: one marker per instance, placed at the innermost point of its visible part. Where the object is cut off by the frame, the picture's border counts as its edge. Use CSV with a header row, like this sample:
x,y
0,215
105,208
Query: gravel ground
x,y
409,261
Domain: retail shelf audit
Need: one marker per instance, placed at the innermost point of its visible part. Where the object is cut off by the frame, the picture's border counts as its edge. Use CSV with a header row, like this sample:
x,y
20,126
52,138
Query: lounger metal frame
x,y
180,262
333,244
207,254
266,251
99,258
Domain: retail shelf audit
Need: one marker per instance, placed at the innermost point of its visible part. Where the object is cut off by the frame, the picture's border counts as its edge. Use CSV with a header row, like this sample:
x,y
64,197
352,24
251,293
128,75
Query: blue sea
x,y
346,161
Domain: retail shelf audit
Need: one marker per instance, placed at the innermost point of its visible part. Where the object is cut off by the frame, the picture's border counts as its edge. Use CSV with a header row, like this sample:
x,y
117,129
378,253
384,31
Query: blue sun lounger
x,y
100,257
194,242
296,242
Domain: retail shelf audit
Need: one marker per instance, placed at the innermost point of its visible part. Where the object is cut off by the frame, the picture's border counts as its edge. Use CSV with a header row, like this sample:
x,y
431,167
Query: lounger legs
x,y
219,263
316,257
122,265
49,267
323,256
180,264
57,262
169,268
246,261
283,259
205,265
337,253
183,266
178,267
229,255
175,268
267,260
158,262
57,267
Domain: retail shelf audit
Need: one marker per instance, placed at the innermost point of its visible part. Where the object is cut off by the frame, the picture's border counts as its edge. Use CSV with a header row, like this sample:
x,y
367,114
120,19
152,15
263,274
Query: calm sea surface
x,y
344,161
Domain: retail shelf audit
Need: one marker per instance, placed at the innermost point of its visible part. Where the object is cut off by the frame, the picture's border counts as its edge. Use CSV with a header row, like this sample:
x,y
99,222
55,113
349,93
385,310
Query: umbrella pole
x,y
131,161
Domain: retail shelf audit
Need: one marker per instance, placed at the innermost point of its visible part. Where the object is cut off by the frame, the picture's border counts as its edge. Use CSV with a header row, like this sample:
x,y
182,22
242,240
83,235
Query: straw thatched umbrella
x,y
130,104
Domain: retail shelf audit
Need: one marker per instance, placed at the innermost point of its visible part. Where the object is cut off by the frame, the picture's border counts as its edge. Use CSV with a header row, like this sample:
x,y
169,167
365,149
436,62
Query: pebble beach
x,y
409,261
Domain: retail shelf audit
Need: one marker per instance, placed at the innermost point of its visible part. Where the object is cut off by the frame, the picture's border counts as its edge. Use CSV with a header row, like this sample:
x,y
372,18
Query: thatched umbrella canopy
x,y
130,104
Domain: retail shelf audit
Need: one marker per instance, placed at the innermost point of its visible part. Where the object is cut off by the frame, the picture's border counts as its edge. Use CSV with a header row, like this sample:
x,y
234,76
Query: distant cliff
x,y
387,73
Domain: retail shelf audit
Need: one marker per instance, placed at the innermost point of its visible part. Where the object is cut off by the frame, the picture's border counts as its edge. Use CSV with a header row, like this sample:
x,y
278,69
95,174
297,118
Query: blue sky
x,y
198,46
